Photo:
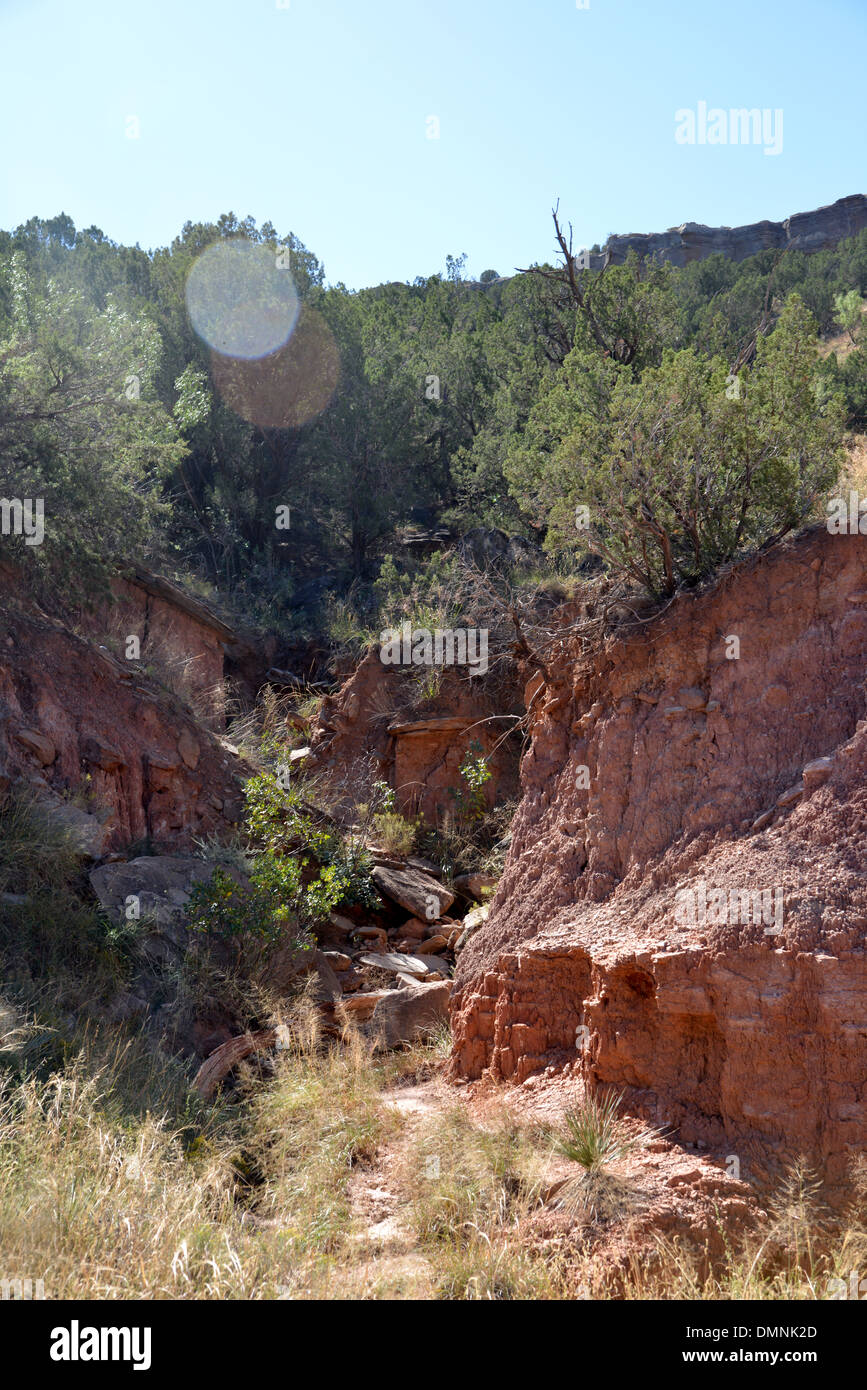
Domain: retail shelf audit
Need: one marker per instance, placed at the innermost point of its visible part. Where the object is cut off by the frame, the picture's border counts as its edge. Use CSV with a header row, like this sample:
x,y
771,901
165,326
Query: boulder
x,y
326,987
98,753
413,929
38,744
374,937
162,884
432,945
161,887
817,772
474,885
344,925
409,1014
338,961
361,1006
791,795
88,834
418,892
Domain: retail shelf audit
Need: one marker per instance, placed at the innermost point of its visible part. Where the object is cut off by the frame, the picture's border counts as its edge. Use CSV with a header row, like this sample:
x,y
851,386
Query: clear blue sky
x,y
315,116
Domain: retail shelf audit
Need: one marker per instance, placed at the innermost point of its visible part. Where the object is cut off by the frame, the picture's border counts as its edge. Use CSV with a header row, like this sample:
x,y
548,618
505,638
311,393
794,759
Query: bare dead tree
x,y
583,287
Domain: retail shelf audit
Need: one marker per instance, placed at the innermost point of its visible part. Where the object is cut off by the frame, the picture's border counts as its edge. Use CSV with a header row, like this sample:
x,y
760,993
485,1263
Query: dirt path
x,y
390,1263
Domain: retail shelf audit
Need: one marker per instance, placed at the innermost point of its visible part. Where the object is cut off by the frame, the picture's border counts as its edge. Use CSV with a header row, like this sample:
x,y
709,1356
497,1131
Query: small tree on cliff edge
x,y
685,466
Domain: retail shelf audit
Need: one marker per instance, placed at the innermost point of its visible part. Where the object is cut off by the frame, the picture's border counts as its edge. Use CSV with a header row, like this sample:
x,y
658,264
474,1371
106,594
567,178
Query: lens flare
x,y
288,388
240,299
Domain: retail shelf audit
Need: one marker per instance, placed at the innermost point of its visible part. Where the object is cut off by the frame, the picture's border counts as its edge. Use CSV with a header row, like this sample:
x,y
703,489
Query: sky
x,y
387,134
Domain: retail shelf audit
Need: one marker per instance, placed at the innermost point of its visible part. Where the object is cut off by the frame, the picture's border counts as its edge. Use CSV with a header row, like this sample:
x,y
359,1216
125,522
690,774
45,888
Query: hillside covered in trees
x,y
668,419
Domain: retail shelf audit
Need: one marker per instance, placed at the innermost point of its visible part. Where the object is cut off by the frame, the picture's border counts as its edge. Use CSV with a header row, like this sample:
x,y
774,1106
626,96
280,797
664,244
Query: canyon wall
x,y
715,753
85,729
382,726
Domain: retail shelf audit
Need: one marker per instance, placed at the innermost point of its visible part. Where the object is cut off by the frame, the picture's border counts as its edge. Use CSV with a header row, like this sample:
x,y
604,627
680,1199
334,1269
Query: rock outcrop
x,y
410,1014
76,720
683,912
377,726
805,231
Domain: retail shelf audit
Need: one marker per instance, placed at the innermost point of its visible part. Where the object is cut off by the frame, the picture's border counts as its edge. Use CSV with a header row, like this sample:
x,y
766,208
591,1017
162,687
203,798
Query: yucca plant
x,y
594,1137
594,1134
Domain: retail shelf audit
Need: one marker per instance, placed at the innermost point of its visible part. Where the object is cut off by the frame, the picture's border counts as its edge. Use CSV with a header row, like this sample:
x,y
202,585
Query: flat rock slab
x,y
418,892
438,965
396,961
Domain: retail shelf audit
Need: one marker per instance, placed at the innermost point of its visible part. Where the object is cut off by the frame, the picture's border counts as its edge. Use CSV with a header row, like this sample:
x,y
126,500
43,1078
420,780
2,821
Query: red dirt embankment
x,y
742,1021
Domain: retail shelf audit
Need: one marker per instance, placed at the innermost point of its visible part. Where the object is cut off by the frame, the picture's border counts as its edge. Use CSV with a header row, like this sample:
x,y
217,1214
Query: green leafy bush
x,y
265,909
301,871
469,800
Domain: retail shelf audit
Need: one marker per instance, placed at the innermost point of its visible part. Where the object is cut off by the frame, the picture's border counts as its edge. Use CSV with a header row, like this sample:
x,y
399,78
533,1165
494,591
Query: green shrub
x,y
301,871
672,473
470,801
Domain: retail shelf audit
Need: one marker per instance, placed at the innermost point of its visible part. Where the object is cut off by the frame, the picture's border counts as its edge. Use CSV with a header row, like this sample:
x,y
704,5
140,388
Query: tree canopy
x,y
688,410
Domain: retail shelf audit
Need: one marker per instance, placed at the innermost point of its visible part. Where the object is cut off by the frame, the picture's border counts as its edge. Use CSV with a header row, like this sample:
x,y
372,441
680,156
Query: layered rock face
x,y
183,641
185,644
73,717
378,726
684,909
806,231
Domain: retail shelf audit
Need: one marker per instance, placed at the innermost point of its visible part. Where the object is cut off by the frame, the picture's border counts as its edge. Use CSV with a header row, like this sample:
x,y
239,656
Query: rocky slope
x,y
743,1022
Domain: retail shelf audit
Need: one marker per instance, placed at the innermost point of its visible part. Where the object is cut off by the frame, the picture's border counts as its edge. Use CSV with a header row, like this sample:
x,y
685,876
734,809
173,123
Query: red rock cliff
x,y
710,778
74,717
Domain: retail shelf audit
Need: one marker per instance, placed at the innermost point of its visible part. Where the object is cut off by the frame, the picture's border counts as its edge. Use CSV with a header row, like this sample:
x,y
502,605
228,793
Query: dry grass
x,y
278,723
469,1192
117,1182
